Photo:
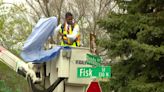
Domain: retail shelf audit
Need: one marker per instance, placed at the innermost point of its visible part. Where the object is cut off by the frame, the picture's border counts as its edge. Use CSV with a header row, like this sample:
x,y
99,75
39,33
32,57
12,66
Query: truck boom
x,y
17,64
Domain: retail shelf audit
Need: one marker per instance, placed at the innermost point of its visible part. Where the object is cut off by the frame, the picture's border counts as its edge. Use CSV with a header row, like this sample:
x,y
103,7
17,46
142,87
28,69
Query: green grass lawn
x,y
10,81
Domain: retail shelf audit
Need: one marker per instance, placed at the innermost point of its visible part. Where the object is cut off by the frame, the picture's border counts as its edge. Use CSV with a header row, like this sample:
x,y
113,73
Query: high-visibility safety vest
x,y
65,40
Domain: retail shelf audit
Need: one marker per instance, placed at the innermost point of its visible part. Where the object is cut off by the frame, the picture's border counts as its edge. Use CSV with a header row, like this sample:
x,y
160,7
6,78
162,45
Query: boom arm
x,y
17,64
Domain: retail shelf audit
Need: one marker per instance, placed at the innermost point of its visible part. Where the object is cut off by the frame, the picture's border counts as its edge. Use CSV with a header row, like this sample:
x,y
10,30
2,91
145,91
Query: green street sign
x,y
91,72
93,60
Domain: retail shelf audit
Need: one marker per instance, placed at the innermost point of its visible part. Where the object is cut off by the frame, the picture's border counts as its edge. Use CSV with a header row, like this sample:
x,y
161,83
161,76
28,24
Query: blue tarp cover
x,y
33,48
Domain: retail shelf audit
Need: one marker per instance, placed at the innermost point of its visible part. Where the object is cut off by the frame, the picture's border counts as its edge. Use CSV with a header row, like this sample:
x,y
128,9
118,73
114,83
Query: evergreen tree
x,y
137,36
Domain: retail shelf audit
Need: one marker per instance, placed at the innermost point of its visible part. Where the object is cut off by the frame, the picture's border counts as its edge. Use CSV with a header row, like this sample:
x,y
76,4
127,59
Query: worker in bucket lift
x,y
69,31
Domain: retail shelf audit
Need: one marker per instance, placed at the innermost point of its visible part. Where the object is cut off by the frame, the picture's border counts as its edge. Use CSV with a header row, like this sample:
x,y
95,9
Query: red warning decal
x,y
1,48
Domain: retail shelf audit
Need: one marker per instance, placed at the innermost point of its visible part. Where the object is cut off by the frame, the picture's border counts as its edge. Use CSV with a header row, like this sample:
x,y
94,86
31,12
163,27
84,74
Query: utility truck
x,y
59,69
57,75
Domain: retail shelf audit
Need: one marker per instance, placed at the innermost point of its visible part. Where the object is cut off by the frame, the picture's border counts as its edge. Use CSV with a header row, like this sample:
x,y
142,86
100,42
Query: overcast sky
x,y
13,1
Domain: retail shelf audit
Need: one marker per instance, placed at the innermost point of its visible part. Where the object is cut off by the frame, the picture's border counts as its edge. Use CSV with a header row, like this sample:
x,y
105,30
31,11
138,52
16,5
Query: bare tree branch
x,y
59,9
37,13
42,8
46,8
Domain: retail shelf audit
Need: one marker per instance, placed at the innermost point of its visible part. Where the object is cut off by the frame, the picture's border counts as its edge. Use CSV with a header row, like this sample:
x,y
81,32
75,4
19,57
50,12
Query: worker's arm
x,y
57,29
74,34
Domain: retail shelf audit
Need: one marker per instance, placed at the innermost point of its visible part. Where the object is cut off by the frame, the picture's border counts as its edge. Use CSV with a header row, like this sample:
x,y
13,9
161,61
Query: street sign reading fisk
x,y
91,72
